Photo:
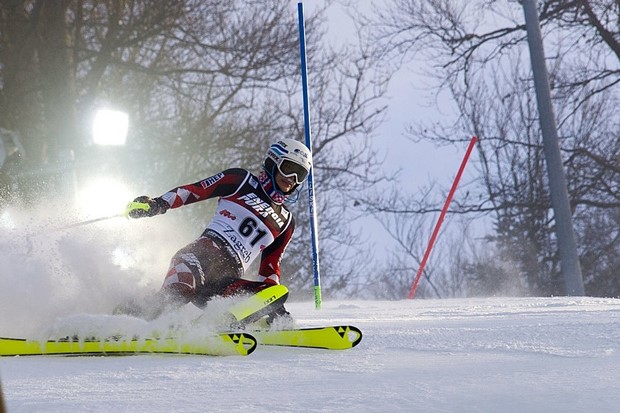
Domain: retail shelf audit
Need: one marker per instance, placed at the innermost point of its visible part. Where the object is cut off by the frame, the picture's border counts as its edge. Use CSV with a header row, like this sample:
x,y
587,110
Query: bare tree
x,y
483,67
208,85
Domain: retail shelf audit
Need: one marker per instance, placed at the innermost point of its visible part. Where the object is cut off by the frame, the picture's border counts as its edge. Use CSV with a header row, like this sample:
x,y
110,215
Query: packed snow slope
x,y
461,355
465,355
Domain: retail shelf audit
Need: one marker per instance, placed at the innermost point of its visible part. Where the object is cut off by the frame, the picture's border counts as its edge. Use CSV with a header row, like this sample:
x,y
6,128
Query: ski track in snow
x,y
459,355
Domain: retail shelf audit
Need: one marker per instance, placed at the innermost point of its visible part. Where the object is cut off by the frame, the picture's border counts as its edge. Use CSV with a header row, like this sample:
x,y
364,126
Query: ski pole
x,y
130,207
87,222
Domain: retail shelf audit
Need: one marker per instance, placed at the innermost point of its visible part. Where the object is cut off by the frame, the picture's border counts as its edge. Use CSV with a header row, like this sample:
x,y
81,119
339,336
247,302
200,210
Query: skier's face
x,y
285,184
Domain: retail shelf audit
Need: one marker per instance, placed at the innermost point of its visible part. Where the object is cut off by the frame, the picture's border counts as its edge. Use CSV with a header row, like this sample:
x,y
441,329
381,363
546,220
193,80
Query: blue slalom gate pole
x,y
311,200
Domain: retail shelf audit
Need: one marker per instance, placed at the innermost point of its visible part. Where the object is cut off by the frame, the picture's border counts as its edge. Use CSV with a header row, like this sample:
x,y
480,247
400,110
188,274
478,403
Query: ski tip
x,y
246,343
356,334
350,333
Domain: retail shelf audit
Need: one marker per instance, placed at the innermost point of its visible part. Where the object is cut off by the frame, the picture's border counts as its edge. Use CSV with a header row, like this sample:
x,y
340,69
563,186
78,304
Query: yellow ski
x,y
259,304
224,344
330,338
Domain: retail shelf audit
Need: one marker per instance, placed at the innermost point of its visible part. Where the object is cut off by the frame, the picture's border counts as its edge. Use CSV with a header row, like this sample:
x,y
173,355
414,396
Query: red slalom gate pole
x,y
473,141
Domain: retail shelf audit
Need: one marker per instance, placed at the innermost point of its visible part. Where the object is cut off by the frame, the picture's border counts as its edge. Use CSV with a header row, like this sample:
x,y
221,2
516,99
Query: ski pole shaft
x,y
130,207
82,223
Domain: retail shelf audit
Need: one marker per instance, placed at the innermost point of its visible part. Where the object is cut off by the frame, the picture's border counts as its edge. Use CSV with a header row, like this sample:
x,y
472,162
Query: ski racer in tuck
x,y
251,220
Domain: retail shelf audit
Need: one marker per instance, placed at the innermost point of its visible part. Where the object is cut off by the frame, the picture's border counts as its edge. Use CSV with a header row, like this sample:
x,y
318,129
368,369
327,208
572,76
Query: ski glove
x,y
156,206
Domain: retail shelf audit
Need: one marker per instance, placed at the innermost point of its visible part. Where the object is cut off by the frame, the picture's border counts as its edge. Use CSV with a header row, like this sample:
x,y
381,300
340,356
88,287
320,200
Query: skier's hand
x,y
143,206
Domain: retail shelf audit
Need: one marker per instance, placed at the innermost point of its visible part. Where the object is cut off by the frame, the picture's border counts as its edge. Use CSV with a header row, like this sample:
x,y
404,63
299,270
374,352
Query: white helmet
x,y
291,158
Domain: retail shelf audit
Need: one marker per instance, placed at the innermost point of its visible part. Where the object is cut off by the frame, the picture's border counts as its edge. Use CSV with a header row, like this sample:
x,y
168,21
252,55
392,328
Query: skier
x,y
251,220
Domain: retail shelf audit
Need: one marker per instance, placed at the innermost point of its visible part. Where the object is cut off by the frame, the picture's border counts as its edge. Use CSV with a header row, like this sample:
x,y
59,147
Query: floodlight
x,y
110,128
102,196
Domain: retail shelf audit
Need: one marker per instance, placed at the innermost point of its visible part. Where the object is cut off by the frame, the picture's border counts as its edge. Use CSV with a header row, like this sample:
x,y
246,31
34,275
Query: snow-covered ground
x,y
474,355
465,355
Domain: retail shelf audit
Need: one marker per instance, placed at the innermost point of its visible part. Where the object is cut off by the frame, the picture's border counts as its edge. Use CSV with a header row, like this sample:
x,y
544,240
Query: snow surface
x,y
460,355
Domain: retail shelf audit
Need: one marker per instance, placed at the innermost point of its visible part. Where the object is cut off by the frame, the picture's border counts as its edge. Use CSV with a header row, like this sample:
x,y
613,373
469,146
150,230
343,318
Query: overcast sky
x,y
409,100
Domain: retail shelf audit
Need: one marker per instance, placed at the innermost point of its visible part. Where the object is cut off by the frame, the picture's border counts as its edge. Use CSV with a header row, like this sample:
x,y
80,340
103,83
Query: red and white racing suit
x,y
247,223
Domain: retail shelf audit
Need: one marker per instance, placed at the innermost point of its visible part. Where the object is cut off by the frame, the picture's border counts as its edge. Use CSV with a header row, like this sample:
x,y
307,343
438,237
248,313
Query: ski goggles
x,y
290,169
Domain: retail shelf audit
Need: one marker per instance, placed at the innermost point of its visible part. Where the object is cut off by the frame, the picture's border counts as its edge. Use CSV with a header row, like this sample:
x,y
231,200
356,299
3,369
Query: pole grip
x,y
135,205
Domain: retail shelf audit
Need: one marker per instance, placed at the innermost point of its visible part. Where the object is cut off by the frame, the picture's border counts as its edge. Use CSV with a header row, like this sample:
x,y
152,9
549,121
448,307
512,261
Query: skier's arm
x,y
222,184
269,270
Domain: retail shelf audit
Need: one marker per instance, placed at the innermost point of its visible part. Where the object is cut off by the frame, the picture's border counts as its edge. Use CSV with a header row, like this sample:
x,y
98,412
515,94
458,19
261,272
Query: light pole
x,y
569,257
